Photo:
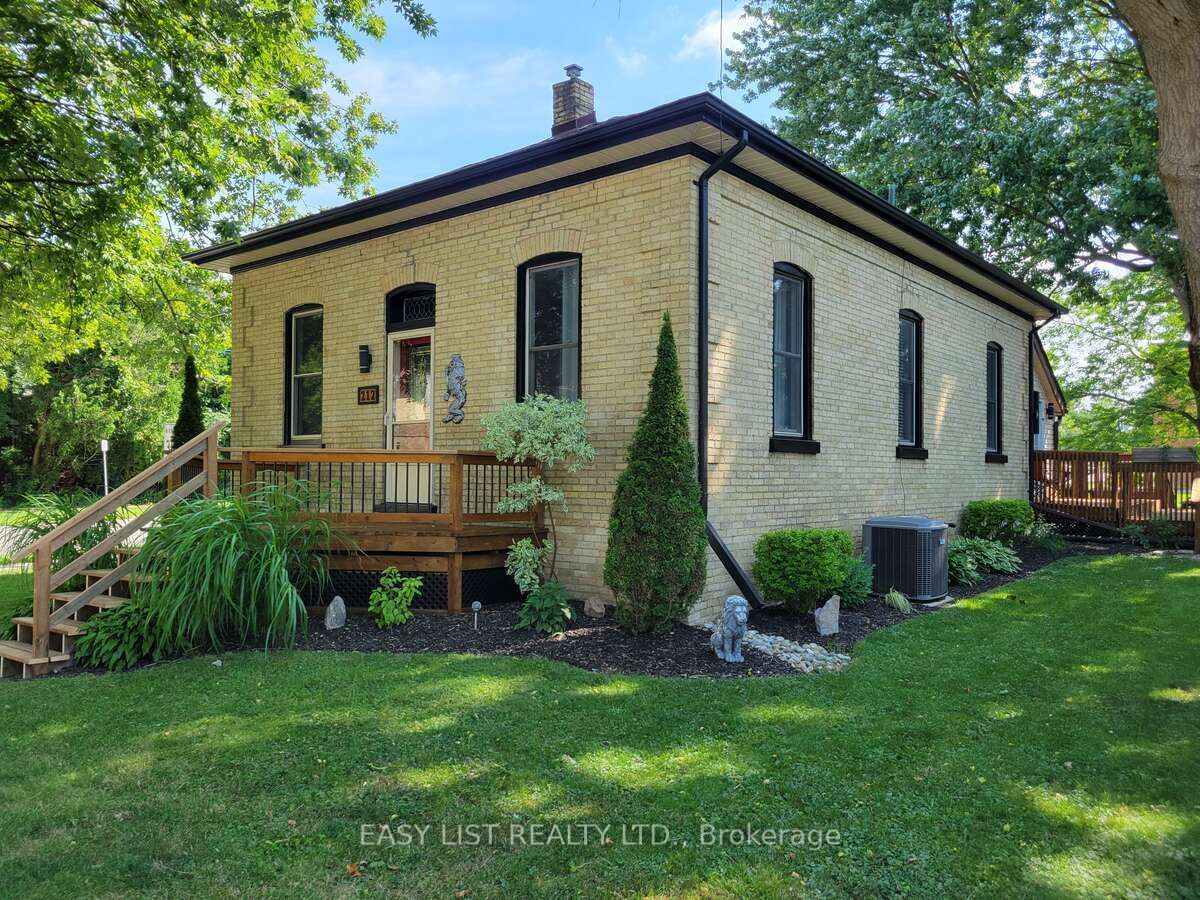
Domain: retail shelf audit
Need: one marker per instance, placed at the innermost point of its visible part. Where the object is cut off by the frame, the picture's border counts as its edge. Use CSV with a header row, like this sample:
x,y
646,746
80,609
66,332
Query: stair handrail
x,y
88,517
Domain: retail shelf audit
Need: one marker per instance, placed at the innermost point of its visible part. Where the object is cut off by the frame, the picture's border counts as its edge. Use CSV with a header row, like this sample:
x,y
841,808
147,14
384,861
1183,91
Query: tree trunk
x,y
1169,34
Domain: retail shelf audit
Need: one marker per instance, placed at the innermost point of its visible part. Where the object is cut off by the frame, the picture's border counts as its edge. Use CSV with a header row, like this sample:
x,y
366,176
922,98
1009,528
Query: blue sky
x,y
482,85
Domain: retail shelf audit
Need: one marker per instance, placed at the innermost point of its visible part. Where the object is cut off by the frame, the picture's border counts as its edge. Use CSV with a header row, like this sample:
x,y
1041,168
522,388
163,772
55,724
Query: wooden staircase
x,y
44,640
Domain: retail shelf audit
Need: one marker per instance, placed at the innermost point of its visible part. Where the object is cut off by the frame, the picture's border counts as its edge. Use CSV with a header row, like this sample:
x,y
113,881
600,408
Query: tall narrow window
x,y
909,435
792,359
305,364
995,411
548,313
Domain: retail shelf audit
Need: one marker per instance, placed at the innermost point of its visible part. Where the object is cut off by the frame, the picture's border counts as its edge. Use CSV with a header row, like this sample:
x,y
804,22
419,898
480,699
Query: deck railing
x,y
444,490
196,459
1111,489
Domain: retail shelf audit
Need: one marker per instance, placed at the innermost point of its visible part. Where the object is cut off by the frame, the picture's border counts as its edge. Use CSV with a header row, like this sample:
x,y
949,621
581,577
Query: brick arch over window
x,y
408,271
545,243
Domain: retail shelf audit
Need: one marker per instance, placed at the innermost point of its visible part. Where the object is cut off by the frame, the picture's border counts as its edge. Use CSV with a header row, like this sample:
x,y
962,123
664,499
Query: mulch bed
x,y
594,644
855,624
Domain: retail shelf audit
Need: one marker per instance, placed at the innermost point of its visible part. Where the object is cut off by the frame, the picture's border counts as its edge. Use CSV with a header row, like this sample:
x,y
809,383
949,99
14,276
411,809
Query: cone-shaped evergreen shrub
x,y
191,414
655,562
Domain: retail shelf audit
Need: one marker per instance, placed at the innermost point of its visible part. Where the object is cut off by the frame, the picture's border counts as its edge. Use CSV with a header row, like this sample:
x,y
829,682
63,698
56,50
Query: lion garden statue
x,y
731,629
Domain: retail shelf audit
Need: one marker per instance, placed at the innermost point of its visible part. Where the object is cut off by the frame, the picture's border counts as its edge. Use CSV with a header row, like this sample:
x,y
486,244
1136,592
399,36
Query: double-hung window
x,y
909,437
305,358
995,410
792,360
549,312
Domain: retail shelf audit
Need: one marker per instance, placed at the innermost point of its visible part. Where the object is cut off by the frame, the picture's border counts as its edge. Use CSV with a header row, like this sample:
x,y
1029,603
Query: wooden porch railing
x,y
1111,489
203,476
446,491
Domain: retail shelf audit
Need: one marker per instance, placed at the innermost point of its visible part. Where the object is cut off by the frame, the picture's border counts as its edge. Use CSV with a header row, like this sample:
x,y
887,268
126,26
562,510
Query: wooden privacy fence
x,y
1112,490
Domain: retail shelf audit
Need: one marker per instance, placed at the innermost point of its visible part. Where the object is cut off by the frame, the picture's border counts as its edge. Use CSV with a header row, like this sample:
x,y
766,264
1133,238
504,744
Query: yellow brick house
x,y
841,359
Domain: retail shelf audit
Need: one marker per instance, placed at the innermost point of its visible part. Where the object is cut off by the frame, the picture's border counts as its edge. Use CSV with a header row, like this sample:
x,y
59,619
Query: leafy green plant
x,y
8,630
860,576
552,432
1044,536
1007,521
800,568
547,609
1159,533
969,558
42,513
897,600
391,602
119,638
655,560
233,568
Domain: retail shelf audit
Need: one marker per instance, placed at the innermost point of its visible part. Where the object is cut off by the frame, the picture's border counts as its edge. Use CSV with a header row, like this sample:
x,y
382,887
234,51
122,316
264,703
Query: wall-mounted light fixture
x,y
1049,410
364,358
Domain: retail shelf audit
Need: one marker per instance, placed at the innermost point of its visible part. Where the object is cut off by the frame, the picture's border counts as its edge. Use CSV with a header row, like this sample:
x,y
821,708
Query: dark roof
x,y
705,108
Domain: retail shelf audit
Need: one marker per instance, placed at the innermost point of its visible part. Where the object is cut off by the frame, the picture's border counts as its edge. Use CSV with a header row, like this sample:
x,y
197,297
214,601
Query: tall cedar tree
x,y
191,414
656,557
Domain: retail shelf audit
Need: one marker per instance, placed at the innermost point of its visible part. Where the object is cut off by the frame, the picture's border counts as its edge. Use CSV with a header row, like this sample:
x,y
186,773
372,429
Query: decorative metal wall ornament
x,y
456,390
731,629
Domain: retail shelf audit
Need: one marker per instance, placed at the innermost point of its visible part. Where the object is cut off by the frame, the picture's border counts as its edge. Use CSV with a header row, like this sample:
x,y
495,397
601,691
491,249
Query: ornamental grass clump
x,y
233,569
656,542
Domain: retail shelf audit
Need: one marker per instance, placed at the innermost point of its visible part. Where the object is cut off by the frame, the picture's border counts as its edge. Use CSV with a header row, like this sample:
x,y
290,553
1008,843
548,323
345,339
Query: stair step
x,y
70,627
104,601
129,576
19,651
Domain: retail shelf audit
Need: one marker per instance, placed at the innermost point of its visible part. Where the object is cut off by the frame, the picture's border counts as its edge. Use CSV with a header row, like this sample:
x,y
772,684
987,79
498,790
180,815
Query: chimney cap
x,y
573,70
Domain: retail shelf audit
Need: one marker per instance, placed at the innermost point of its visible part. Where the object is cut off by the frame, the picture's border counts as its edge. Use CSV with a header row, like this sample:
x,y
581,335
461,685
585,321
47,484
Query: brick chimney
x,y
574,102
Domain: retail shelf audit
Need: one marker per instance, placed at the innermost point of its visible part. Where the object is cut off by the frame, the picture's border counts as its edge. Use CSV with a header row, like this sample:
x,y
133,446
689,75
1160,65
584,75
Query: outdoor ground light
x,y
364,358
475,608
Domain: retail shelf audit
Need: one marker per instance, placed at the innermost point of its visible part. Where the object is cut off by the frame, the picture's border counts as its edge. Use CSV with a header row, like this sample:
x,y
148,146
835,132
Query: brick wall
x,y
634,232
858,290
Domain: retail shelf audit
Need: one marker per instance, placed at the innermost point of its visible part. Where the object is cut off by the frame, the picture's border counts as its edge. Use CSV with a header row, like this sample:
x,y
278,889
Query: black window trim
x,y
404,291
995,454
917,449
790,441
305,309
546,259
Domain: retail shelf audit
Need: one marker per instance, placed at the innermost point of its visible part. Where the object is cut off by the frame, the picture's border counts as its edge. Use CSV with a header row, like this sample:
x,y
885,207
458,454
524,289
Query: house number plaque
x,y
368,395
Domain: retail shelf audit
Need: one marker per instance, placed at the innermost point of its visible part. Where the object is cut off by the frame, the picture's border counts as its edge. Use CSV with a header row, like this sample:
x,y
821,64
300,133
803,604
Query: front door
x,y
411,402
410,487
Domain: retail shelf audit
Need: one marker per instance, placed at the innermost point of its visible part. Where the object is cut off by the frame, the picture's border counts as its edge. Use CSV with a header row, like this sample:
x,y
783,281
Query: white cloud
x,y
631,62
705,39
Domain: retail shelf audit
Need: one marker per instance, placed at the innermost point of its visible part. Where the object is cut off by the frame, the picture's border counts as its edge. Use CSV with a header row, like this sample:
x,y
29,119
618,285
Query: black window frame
x,y
916,449
395,300
791,441
994,452
546,259
304,310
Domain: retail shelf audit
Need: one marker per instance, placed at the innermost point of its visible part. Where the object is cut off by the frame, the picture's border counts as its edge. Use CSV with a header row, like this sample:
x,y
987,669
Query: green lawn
x,y
1042,740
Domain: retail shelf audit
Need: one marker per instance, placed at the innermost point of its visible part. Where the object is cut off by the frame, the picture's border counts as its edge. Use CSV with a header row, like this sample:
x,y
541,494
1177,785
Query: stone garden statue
x,y
731,628
456,390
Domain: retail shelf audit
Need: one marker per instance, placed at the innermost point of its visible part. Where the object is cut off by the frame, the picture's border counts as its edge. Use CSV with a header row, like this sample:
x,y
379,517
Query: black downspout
x,y
736,572
1029,425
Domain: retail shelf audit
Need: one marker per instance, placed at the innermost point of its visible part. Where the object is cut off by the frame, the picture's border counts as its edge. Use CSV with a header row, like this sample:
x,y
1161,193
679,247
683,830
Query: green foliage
x,y
1159,533
231,569
656,535
800,568
24,607
1007,521
525,562
190,421
968,558
391,602
1042,535
42,513
119,638
552,432
897,600
856,588
546,609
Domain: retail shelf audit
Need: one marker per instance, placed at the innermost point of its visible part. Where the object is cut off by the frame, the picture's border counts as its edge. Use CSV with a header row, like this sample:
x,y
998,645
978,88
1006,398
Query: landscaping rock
x,y
801,657
335,614
827,616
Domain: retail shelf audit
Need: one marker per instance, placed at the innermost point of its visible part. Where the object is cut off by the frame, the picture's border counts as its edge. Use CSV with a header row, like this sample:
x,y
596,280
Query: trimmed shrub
x,y
801,568
656,544
1007,521
860,576
191,413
